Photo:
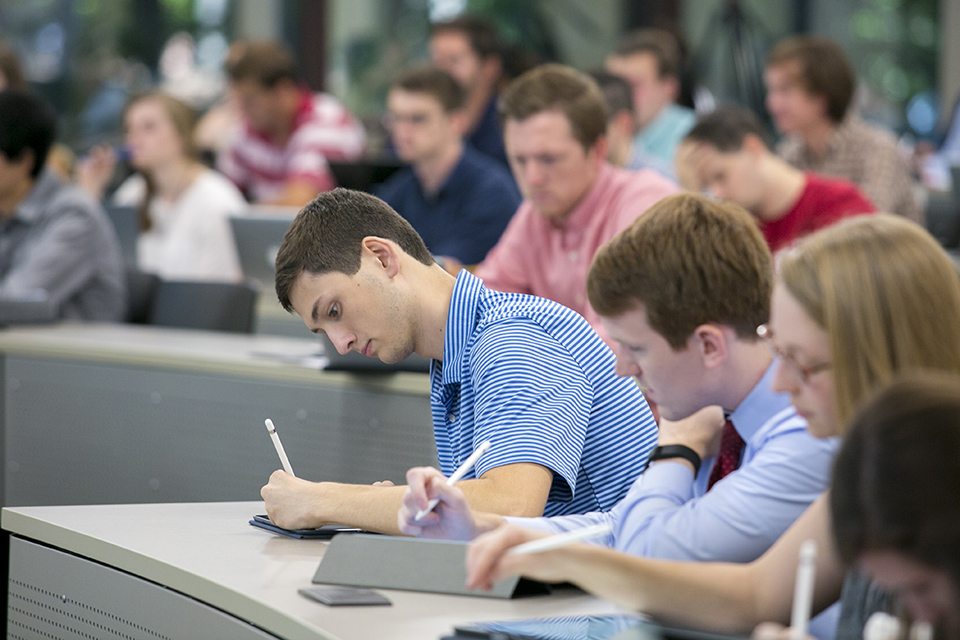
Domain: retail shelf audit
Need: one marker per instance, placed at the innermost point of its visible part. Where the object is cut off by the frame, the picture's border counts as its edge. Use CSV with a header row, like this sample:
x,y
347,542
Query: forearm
x,y
368,507
718,596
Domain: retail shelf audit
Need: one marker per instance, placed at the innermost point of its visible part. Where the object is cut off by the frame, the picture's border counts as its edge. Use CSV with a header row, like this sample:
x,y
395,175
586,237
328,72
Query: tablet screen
x,y
559,628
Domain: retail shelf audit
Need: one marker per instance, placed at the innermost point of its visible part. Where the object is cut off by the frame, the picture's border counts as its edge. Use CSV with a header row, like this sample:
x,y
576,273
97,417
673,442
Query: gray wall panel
x,y
79,432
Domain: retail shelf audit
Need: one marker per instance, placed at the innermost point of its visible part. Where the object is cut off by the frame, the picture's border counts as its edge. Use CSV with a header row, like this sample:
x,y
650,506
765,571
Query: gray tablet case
x,y
411,564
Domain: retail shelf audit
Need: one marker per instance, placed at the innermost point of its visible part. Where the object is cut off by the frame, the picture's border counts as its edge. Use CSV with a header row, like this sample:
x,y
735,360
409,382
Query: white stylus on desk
x,y
457,475
561,539
279,447
803,590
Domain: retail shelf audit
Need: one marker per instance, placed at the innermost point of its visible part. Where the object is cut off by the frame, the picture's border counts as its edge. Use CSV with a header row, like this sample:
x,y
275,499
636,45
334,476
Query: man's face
x,y
451,51
260,106
363,312
552,168
730,176
419,126
651,93
793,109
672,379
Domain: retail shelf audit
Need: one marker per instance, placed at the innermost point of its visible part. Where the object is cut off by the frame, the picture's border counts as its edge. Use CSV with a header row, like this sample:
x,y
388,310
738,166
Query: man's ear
x,y
711,342
754,145
385,252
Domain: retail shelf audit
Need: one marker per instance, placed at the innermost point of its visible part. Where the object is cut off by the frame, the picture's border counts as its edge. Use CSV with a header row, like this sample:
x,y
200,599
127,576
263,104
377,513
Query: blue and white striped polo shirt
x,y
531,376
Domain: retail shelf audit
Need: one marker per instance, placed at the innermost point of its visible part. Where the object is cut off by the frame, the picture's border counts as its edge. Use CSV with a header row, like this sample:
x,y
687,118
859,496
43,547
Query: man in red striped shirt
x,y
281,155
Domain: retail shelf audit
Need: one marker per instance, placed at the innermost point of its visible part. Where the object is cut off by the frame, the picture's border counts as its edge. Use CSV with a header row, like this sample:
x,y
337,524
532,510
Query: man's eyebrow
x,y
315,316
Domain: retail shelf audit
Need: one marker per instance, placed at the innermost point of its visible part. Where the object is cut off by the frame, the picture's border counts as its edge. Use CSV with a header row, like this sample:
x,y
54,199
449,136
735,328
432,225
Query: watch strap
x,y
664,452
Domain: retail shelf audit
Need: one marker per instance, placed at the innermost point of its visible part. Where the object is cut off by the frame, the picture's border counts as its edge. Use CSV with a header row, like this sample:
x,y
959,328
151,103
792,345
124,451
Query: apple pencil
x,y
455,478
803,590
279,447
561,539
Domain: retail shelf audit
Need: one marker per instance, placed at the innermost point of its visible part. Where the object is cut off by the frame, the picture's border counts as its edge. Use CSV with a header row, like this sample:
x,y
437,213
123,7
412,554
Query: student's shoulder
x,y
514,316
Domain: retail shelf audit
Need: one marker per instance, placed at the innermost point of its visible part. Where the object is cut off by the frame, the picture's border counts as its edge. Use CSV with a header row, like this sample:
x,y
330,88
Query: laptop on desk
x,y
353,361
258,240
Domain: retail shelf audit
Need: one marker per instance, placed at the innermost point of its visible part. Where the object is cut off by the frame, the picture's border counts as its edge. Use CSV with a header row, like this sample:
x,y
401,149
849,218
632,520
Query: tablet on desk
x,y
323,533
604,627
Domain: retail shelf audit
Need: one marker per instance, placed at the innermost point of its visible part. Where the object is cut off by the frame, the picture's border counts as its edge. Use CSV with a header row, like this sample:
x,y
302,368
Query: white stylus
x,y
561,539
279,447
455,478
803,590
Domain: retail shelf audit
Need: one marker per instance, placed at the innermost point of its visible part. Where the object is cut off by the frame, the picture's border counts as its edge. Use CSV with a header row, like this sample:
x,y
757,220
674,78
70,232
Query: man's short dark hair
x,y
663,45
266,62
325,237
824,70
554,87
726,128
616,91
27,123
482,35
434,82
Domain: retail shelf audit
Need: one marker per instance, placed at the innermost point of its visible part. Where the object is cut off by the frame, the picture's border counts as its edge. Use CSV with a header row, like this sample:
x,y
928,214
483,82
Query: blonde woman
x,y
854,305
184,206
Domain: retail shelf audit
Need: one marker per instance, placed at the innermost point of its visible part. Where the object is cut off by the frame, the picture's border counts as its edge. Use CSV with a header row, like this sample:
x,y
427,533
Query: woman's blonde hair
x,y
184,120
888,297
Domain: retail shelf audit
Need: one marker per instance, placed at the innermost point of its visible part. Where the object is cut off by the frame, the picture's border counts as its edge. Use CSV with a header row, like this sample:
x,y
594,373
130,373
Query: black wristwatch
x,y
675,451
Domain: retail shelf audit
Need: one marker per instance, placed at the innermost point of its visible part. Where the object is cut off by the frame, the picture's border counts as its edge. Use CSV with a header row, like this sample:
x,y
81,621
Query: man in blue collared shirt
x,y
682,291
456,198
525,373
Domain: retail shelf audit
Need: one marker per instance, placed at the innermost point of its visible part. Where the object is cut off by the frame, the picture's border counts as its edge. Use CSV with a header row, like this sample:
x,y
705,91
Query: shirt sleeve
x,y
60,262
531,413
561,524
739,518
503,269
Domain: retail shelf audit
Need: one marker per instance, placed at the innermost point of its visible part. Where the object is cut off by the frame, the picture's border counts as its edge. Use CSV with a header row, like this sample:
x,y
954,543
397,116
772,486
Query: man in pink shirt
x,y
574,201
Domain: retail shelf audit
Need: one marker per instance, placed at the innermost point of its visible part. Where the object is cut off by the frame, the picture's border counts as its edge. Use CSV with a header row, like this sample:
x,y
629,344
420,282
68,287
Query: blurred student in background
x,y
458,199
622,149
183,206
810,88
470,50
56,245
726,152
282,154
651,61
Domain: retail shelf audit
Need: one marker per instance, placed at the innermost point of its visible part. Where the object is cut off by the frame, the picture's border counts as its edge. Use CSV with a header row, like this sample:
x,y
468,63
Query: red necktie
x,y
731,444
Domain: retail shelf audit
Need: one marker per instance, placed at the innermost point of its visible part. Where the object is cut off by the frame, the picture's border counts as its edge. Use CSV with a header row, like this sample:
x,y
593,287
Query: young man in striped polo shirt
x,y
528,374
682,291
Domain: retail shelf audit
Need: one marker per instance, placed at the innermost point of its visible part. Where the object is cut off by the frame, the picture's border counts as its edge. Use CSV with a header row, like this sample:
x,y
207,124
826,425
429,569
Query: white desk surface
x,y
263,356
210,552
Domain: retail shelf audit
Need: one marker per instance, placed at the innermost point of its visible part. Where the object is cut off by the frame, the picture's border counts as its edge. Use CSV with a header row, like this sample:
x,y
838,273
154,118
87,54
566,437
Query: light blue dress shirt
x,y
669,514
661,137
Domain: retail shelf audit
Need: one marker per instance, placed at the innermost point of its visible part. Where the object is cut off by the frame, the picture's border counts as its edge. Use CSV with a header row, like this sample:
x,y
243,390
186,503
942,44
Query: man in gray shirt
x,y
59,255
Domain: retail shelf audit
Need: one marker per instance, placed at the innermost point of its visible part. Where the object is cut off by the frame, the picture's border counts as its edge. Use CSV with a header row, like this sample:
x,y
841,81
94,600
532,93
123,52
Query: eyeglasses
x,y
391,120
802,372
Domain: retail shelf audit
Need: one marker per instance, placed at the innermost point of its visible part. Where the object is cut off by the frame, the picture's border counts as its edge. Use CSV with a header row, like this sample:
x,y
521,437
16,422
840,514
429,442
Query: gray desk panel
x,y
209,553
88,432
50,596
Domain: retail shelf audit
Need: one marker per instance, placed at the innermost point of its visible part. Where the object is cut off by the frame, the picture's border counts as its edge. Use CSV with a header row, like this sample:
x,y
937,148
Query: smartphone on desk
x,y
322,533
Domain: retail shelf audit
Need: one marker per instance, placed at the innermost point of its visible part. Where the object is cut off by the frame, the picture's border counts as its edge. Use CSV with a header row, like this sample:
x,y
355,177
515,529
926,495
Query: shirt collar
x,y
761,403
586,208
458,176
461,322
31,207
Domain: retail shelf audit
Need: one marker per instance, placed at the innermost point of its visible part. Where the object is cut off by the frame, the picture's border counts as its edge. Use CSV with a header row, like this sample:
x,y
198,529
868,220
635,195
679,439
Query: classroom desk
x,y
95,414
239,582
